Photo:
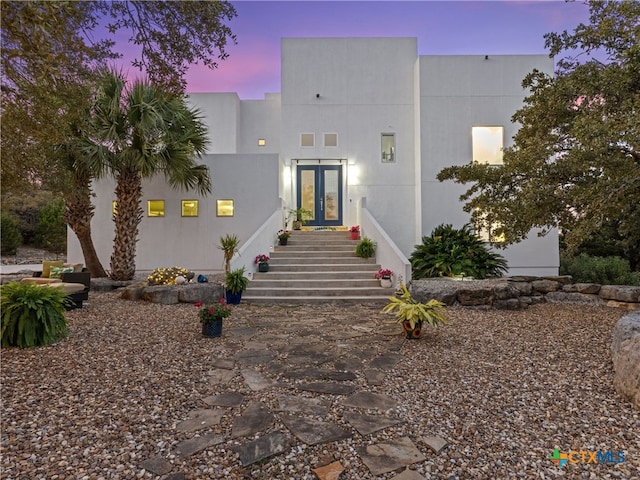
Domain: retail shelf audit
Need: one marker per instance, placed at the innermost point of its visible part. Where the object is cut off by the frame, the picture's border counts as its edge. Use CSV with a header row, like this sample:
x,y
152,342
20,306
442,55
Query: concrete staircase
x,y
318,267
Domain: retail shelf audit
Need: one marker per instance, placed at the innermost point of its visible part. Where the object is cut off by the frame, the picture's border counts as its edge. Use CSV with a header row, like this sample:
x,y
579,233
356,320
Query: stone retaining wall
x,y
625,352
514,293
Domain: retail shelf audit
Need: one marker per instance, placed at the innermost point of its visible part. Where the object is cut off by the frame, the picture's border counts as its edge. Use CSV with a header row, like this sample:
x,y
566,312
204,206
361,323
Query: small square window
x,y
189,208
262,142
224,208
155,208
330,139
307,139
388,141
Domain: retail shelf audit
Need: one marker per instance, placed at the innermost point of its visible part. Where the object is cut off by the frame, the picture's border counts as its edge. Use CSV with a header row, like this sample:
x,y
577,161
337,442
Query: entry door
x,y
320,191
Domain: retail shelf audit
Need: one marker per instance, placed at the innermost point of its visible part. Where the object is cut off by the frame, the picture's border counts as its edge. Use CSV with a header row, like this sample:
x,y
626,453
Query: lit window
x,y
189,208
155,208
262,142
487,144
114,208
388,147
330,139
489,235
307,139
224,208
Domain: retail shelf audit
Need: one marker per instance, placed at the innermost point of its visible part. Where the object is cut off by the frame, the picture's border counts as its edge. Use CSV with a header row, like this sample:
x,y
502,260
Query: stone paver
x,y
200,419
408,475
374,377
188,447
313,432
255,418
157,465
254,357
217,377
223,363
318,374
227,399
435,443
256,380
386,361
331,388
261,448
329,472
309,406
386,457
366,424
370,400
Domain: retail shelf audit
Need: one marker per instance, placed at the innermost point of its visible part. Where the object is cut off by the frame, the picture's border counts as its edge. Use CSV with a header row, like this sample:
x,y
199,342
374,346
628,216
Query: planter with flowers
x,y
283,236
355,232
262,261
385,276
211,317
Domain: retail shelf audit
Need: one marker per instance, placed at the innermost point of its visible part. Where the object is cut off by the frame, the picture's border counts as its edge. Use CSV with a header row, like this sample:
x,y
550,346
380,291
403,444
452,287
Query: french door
x,y
319,190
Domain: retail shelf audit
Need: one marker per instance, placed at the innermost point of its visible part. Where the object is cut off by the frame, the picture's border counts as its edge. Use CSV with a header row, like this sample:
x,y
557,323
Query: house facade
x,y
357,135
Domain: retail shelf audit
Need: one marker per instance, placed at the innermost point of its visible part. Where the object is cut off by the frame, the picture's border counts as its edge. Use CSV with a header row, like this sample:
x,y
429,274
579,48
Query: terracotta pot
x,y
355,235
412,333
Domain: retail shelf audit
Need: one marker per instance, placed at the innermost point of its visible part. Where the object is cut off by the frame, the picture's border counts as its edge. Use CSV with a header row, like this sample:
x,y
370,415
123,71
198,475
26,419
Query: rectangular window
x,y
262,142
155,208
189,208
489,235
388,147
487,144
224,208
330,139
114,208
307,139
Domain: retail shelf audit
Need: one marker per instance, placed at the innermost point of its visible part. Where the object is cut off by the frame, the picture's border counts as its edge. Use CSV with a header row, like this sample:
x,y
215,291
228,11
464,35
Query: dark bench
x,y
83,277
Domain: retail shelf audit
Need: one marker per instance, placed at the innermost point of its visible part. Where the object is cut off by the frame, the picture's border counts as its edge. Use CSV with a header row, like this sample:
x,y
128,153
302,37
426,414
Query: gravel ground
x,y
503,388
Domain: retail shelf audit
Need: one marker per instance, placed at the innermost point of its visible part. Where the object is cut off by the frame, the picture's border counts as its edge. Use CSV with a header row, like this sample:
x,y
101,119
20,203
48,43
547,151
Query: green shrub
x,y
51,232
235,281
11,238
603,270
366,248
168,275
450,252
32,315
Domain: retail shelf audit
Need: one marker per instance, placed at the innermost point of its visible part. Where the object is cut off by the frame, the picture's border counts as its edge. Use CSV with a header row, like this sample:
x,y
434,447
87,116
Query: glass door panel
x,y
319,190
331,190
308,192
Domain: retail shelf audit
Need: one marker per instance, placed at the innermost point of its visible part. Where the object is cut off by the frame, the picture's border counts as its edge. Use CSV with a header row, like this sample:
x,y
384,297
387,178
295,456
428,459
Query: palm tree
x,y
139,132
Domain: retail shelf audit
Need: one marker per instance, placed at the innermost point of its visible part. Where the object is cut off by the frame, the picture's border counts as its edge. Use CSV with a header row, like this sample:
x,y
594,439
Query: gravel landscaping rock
x,y
502,388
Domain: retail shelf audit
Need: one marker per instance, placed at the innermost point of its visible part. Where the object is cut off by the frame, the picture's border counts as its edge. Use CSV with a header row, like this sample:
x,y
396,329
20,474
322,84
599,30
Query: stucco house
x,y
357,134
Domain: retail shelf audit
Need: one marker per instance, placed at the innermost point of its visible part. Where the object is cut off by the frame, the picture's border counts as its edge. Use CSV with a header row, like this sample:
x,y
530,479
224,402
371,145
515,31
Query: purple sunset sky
x,y
442,27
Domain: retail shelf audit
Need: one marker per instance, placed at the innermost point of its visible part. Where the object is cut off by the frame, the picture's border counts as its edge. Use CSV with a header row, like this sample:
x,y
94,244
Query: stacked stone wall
x,y
518,292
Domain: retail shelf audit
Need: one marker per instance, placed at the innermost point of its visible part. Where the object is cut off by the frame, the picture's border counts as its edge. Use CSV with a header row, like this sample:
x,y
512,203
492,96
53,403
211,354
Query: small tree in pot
x,y
235,283
412,313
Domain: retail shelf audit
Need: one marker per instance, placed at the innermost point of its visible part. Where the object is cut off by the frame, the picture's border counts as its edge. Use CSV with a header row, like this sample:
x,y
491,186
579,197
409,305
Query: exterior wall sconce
x,y
317,95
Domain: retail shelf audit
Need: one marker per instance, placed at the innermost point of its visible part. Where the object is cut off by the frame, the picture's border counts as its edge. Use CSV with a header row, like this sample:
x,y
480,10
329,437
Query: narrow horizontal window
x,y
189,208
224,208
114,208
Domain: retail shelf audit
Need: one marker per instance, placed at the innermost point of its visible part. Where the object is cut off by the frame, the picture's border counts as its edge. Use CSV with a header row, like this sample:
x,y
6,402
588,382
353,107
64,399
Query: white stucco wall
x,y
457,93
260,119
191,242
365,88
221,113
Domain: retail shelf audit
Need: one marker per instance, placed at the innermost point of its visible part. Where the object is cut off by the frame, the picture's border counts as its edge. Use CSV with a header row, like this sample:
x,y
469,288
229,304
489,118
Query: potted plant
x,y
366,248
355,232
211,317
235,283
229,246
384,275
301,215
283,236
412,314
262,261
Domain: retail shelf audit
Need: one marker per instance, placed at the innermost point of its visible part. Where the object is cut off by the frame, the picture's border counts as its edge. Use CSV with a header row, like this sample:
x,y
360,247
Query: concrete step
x,y
321,267
318,292
277,274
321,260
312,247
315,283
301,252
380,300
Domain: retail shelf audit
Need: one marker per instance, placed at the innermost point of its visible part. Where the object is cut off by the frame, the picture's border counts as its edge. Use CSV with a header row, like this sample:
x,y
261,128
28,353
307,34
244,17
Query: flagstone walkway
x,y
311,374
